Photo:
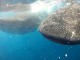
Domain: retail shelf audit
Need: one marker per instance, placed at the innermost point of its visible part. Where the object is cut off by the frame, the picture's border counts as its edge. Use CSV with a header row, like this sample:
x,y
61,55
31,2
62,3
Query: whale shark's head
x,y
63,26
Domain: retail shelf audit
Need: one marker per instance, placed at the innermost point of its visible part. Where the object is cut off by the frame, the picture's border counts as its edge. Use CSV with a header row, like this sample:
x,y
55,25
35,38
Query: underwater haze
x,y
33,46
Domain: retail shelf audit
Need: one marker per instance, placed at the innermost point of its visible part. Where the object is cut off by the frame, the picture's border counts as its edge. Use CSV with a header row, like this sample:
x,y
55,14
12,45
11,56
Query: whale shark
x,y
63,26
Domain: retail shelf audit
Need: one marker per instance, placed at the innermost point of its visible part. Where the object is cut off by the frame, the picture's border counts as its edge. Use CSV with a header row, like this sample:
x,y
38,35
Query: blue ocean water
x,y
33,46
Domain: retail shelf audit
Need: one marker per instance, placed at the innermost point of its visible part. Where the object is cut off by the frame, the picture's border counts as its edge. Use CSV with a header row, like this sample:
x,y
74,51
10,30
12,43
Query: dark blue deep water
x,y
33,46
